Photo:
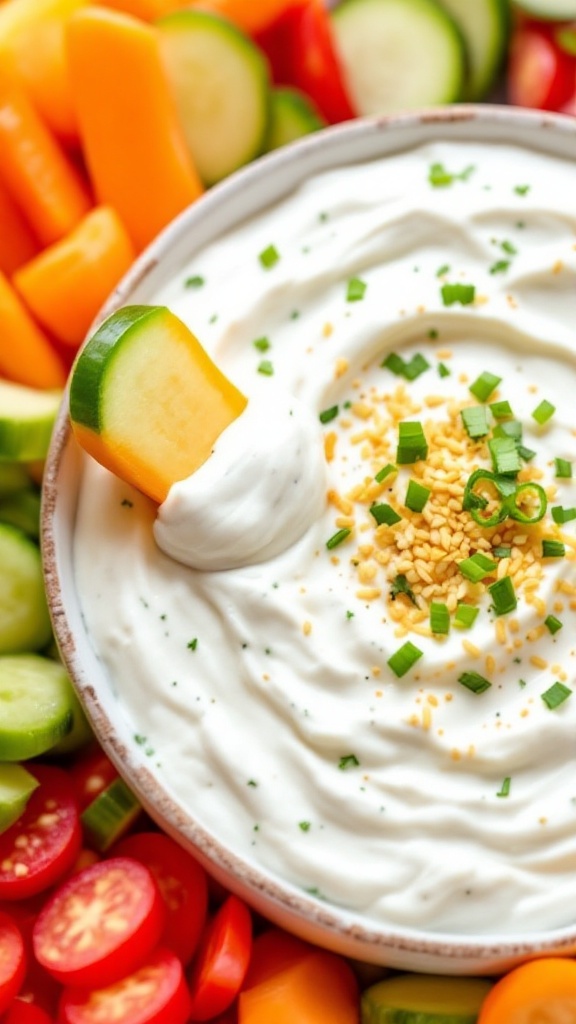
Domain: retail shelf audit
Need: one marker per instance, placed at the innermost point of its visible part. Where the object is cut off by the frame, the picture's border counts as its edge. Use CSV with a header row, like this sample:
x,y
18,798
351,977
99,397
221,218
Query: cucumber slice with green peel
x,y
110,815
548,10
292,116
24,619
220,82
16,787
22,510
80,733
422,999
26,421
485,26
398,54
35,705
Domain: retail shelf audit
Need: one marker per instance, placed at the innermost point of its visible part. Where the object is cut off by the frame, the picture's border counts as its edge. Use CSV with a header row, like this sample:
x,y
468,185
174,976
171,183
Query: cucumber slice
x,y
26,421
398,54
220,83
548,10
22,510
110,815
80,733
422,999
24,619
16,787
484,24
292,115
35,703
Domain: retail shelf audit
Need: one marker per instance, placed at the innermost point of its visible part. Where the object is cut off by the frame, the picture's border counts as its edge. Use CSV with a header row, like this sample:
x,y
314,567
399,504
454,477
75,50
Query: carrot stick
x,y
68,282
17,243
313,990
34,168
26,355
32,46
541,990
132,140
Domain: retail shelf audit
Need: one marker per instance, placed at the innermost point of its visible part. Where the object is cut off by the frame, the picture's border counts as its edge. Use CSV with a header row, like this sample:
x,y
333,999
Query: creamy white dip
x,y
262,691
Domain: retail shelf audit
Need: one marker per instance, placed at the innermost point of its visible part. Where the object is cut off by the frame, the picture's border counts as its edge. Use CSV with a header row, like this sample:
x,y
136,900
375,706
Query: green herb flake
x,y
355,290
462,293
266,368
394,363
400,585
349,615
500,267
443,270
404,658
474,682
194,282
338,538
508,247
269,257
439,177
522,190
556,695
505,787
348,761
443,370
327,415
192,644
304,826
262,344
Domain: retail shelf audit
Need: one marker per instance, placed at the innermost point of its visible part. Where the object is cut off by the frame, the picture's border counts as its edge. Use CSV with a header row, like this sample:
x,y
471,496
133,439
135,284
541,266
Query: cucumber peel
x,y
292,116
110,815
548,10
35,705
485,27
24,619
423,999
16,788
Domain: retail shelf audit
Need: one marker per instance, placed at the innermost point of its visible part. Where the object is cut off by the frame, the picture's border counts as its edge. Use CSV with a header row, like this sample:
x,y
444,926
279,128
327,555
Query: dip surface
x,y
262,693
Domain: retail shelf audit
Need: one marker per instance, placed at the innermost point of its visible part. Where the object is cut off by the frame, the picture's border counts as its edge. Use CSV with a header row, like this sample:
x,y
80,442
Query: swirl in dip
x,y
259,667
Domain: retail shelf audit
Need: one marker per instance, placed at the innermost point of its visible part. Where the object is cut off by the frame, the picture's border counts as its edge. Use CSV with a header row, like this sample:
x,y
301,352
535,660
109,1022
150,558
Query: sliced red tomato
x,y
182,882
100,924
154,994
301,51
222,960
22,1012
91,773
12,960
540,73
41,846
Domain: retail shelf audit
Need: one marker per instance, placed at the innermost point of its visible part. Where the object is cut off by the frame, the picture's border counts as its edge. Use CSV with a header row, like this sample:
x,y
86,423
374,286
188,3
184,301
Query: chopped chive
x,y
192,644
443,370
484,385
348,761
499,267
416,496
563,515
501,551
553,549
439,177
400,585
404,658
433,333
563,469
474,681
556,695
412,444
394,363
501,410
384,472
266,368
328,414
553,625
465,615
526,454
505,457
444,269
505,787
508,247
269,256
543,412
509,428
384,514
439,618
477,567
503,596
304,825
417,365
475,420
462,293
194,282
355,290
338,538
521,190
262,344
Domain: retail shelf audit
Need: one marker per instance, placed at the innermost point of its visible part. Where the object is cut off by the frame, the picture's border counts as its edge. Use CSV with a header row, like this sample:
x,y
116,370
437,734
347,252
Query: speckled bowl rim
x,y
225,205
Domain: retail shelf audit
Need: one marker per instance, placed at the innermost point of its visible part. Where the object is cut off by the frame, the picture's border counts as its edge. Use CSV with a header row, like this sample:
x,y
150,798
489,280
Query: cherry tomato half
x,y
182,882
540,73
22,1012
154,994
101,924
222,960
38,849
12,960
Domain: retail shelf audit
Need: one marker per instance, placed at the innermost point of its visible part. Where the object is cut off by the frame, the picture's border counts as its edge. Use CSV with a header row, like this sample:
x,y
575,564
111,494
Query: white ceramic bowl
x,y
240,196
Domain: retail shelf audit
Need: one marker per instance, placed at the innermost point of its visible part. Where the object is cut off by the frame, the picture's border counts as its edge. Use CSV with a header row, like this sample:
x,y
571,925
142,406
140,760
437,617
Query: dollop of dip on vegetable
x,y
363,677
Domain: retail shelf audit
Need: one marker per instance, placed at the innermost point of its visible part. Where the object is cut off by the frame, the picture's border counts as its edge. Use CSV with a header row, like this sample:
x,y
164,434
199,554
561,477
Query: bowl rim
x,y
334,927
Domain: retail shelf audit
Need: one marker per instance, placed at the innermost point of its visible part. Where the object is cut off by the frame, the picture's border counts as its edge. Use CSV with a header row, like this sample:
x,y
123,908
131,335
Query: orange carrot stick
x,y
17,243
313,990
35,170
26,355
67,283
147,10
542,990
132,140
32,45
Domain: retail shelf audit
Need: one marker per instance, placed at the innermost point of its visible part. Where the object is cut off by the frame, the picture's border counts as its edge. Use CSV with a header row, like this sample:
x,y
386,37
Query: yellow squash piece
x,y
146,401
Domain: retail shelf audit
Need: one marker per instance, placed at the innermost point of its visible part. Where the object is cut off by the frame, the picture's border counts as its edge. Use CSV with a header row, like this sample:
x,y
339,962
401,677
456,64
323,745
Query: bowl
x,y
354,933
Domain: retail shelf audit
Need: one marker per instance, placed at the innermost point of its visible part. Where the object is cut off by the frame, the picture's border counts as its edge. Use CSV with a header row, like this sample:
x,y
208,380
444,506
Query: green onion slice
x,y
505,457
563,469
553,625
338,538
543,412
501,410
477,567
384,472
465,615
474,681
439,618
404,658
416,496
553,549
503,596
484,385
475,420
384,514
563,515
556,695
412,444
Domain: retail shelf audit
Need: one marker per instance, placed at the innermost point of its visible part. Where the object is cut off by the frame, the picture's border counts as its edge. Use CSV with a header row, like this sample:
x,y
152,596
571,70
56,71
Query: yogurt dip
x,y
434,788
